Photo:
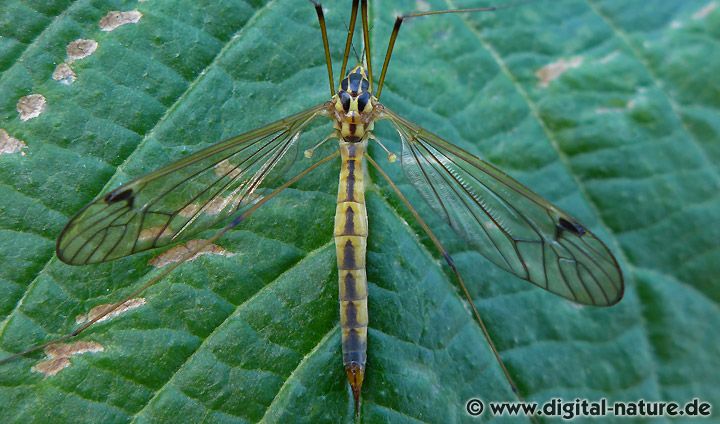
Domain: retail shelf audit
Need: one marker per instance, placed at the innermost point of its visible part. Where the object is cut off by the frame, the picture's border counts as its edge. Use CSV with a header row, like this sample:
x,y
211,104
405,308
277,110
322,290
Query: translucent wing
x,y
506,222
179,199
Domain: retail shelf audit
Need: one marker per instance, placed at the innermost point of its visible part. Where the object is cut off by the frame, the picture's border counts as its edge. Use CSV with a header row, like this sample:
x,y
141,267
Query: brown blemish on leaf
x,y
31,106
80,49
178,253
702,13
552,71
212,208
58,356
225,168
64,74
102,309
76,50
190,210
116,19
59,350
51,367
152,232
220,204
9,144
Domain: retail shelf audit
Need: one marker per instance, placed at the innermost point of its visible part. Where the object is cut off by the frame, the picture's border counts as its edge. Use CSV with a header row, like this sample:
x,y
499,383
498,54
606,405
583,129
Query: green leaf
x,y
626,139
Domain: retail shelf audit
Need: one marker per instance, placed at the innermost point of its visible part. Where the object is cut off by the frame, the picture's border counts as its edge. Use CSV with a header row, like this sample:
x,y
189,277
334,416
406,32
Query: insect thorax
x,y
353,106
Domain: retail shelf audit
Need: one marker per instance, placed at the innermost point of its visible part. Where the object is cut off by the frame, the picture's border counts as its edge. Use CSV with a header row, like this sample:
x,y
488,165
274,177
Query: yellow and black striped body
x,y
353,113
351,231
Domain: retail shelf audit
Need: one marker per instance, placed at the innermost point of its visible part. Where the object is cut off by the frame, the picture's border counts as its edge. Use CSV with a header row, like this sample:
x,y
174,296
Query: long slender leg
x,y
399,20
155,279
348,41
326,45
366,38
451,263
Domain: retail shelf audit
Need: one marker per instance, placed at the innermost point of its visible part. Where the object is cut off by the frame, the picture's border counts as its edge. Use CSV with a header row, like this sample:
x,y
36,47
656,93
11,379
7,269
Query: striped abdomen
x,y
351,231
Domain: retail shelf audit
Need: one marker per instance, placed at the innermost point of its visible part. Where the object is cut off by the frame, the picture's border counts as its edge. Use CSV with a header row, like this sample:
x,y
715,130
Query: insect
x,y
495,215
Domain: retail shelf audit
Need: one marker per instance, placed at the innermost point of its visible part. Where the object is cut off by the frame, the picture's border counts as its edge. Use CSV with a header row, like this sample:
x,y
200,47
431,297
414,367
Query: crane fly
x,y
495,215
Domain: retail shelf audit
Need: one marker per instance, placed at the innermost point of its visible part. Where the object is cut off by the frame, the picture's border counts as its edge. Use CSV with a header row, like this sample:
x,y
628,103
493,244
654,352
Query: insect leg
x,y
366,39
323,30
188,255
451,263
348,41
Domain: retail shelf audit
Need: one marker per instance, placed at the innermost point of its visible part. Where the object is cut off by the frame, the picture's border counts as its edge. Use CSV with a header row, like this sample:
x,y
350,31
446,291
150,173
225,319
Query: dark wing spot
x,y
365,84
119,196
573,227
344,84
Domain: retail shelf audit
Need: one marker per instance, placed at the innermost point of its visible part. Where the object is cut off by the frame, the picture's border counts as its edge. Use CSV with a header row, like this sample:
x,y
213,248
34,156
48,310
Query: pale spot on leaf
x,y
192,248
31,106
609,57
606,110
552,71
10,144
58,356
422,6
708,9
80,49
99,310
64,74
116,19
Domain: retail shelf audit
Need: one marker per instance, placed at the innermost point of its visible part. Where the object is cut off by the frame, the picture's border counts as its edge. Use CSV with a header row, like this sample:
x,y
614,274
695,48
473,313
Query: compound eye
x,y
363,100
345,100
